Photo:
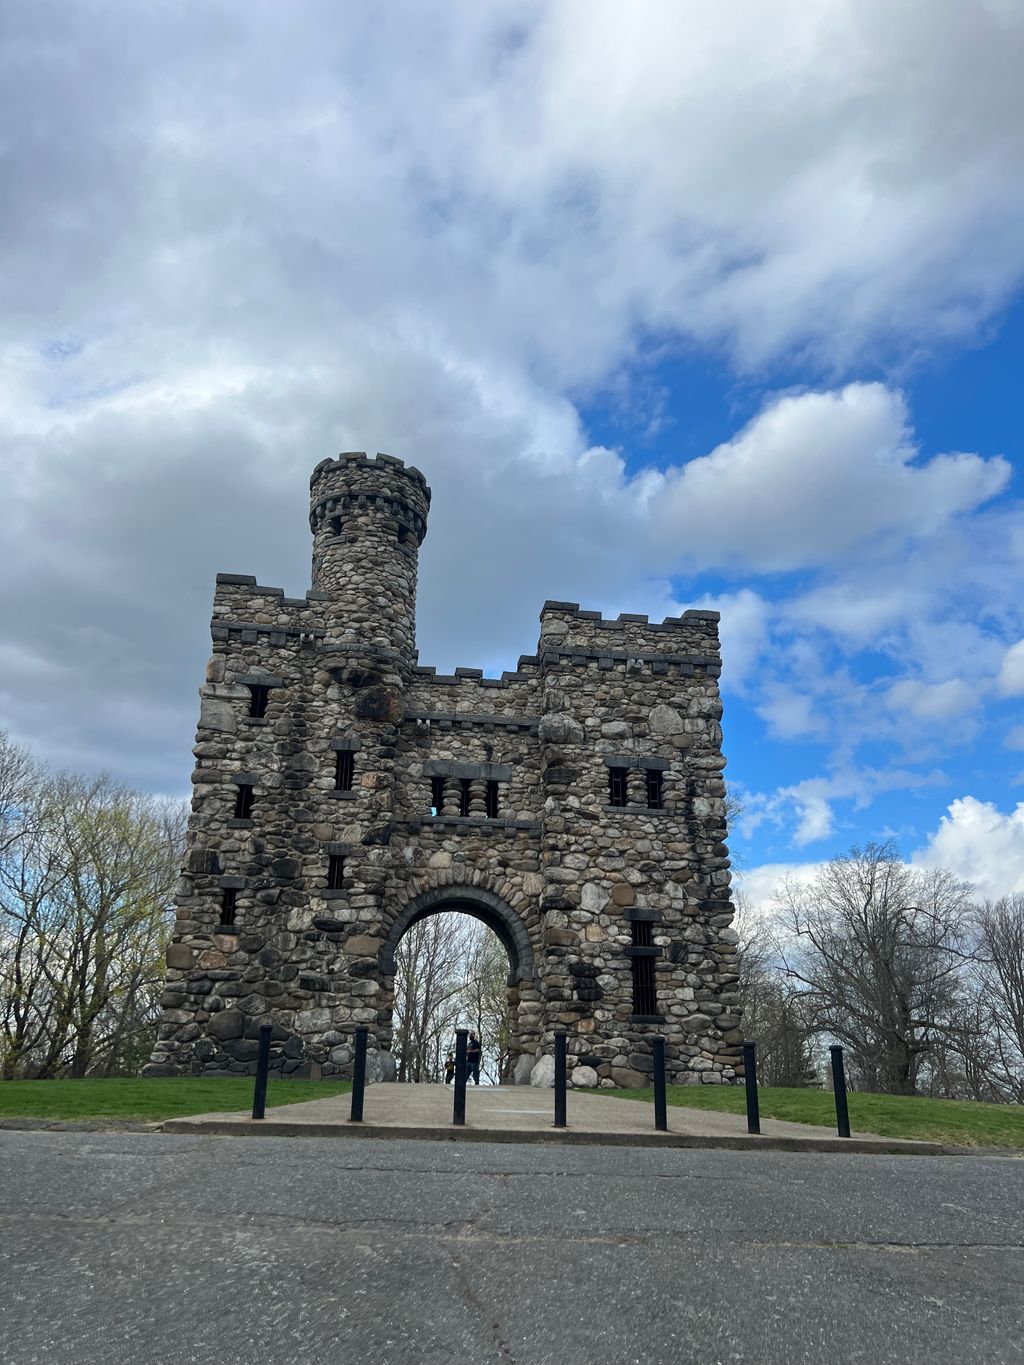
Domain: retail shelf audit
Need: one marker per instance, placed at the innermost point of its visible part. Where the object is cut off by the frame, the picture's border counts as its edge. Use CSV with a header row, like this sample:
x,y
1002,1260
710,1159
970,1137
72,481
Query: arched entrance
x,y
498,916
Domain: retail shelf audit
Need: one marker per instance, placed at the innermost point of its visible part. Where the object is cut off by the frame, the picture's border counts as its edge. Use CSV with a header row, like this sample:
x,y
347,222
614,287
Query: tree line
x,y
920,981
87,875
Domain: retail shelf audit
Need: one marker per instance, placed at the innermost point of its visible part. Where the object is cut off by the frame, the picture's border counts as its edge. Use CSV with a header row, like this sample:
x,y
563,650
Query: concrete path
x,y
133,1249
523,1114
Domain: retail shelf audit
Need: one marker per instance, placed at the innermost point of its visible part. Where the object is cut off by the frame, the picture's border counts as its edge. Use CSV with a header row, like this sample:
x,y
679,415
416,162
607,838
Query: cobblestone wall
x,y
341,790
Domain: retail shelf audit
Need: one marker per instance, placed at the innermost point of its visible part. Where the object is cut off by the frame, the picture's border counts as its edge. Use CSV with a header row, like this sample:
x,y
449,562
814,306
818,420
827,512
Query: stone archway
x,y
489,909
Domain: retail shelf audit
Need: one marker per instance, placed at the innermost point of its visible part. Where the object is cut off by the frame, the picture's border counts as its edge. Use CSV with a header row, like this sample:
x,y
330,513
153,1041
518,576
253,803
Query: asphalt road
x,y
159,1249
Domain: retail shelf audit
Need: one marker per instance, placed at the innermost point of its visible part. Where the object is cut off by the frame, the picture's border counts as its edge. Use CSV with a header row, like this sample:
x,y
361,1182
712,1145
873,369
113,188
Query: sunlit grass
x,y
962,1123
160,1098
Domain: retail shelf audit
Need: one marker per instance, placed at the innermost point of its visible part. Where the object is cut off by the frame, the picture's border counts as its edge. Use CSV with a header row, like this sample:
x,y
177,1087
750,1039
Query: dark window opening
x,y
243,802
492,800
344,770
463,795
645,995
335,872
227,905
617,790
258,697
337,527
643,933
436,795
405,536
654,779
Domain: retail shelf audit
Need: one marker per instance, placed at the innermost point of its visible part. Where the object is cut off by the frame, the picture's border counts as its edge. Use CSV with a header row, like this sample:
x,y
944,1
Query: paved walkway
x,y
524,1114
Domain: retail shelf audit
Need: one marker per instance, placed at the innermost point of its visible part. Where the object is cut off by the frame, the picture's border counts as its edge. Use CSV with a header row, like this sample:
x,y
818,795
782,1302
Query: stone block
x,y
542,1075
363,945
627,1079
584,1077
227,1024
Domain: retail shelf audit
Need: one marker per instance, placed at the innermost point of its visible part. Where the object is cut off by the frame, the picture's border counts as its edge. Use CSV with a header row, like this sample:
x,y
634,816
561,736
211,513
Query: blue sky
x,y
679,305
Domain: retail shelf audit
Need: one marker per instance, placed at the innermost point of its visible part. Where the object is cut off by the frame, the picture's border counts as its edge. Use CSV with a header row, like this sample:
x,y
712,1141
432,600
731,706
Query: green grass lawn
x,y
957,1122
160,1098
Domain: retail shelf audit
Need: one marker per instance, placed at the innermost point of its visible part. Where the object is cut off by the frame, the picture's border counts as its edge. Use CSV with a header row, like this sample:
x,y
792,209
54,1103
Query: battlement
x,y
566,628
352,461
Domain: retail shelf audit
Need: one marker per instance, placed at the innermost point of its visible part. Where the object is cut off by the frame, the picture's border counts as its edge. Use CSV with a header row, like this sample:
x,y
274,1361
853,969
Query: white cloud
x,y
1010,681
814,476
979,843
743,631
933,701
758,885
245,238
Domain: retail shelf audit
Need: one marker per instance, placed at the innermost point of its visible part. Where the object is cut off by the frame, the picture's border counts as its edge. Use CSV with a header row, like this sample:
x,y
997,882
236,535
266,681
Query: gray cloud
x,y
243,238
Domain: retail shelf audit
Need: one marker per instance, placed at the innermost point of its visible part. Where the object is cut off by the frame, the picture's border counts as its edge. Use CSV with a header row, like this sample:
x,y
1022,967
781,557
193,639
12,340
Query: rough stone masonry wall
x,y
558,872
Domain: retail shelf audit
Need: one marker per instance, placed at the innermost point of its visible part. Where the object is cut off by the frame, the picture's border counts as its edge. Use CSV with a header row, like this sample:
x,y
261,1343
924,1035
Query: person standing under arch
x,y
473,1053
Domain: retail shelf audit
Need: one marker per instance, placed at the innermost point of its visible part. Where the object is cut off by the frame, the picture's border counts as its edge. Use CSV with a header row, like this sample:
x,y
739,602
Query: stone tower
x,y
342,792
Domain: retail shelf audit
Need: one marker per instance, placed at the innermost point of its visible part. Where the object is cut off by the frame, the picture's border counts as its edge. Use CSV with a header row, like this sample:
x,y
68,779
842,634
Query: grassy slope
x,y
159,1098
958,1122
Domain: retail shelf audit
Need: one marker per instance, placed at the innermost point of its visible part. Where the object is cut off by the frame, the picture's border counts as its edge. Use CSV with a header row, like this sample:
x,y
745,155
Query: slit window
x,y
243,802
344,770
337,527
617,786
227,905
259,694
335,872
645,995
436,795
654,778
492,800
463,795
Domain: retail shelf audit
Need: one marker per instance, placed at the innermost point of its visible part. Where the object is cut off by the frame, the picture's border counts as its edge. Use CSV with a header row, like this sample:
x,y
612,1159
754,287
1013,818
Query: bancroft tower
x,y
342,791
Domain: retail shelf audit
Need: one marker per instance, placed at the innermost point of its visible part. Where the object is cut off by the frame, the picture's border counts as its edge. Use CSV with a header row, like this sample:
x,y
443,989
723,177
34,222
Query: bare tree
x,y
87,871
1000,993
451,972
774,1014
485,1000
428,986
877,951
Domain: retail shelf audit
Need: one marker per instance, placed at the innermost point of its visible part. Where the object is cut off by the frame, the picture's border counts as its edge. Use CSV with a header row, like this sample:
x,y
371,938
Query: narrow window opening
x,y
335,872
344,770
645,995
258,697
227,905
654,782
405,536
243,802
643,934
337,527
436,795
492,800
463,795
617,794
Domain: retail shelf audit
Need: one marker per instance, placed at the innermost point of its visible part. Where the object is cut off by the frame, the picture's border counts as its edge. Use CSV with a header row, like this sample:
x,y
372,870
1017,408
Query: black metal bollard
x,y
839,1086
459,1108
359,1074
750,1081
560,1121
660,1101
259,1094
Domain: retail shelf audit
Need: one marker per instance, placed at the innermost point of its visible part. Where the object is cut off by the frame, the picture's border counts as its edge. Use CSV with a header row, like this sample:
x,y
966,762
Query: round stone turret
x,y
368,517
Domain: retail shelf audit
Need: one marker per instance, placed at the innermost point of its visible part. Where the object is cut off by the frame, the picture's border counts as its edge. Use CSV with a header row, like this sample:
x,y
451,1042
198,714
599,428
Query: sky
x,y
675,305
